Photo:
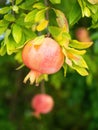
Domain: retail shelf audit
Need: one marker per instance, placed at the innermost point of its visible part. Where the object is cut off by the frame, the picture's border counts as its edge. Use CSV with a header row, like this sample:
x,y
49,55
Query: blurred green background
x,y
76,97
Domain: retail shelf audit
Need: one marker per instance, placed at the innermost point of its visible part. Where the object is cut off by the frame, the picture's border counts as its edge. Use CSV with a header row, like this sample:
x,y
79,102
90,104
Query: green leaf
x,y
9,42
93,8
86,12
80,45
27,5
72,11
40,15
39,5
20,20
7,33
10,45
82,5
18,2
9,17
3,29
55,31
18,57
3,23
29,34
3,26
55,1
81,71
30,16
15,9
17,33
21,43
60,35
2,49
4,10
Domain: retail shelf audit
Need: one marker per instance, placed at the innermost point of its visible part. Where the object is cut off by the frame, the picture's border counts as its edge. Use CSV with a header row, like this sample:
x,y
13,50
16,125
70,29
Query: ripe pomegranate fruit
x,y
44,58
42,104
82,34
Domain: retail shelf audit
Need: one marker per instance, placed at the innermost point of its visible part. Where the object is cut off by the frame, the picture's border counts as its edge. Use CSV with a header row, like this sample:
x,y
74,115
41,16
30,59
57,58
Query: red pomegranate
x,y
46,58
82,34
42,103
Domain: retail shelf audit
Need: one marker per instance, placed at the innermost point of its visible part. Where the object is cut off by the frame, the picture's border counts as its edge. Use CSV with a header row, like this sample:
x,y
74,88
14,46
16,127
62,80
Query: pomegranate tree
x,y
42,104
42,58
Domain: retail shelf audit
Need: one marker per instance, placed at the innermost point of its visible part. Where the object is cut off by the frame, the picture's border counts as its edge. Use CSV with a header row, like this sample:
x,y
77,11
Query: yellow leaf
x,y
80,70
77,52
61,20
42,25
80,45
87,12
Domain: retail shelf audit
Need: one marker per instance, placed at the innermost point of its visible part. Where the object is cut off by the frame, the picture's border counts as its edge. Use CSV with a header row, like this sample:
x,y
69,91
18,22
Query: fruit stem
x,y
42,86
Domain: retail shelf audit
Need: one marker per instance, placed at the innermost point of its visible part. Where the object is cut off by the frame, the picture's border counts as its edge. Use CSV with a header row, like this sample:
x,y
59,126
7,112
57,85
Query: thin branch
x,y
47,14
13,3
46,2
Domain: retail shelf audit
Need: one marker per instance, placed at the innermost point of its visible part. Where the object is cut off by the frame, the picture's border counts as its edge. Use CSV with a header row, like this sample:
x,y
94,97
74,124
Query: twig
x,y
13,3
47,15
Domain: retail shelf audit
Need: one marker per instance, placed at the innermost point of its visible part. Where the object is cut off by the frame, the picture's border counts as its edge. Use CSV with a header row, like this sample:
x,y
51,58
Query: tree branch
x,y
13,3
47,14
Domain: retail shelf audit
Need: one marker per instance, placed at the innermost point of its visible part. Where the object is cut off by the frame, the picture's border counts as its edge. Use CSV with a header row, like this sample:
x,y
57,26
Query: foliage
x,y
76,97
21,23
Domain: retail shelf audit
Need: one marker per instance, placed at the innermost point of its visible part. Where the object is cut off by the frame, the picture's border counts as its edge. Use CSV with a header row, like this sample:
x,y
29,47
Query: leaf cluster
x,y
25,20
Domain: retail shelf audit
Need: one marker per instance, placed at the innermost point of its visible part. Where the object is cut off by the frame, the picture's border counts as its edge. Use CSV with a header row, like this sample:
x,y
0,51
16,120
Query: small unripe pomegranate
x,y
82,35
42,104
44,58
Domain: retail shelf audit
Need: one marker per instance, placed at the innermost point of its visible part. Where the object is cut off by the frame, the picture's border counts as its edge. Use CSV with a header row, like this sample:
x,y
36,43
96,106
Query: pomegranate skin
x,y
46,58
42,103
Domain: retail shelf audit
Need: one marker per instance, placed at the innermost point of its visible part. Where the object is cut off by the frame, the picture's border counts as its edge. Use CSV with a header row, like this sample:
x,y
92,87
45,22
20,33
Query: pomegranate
x,y
42,103
46,58
82,34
